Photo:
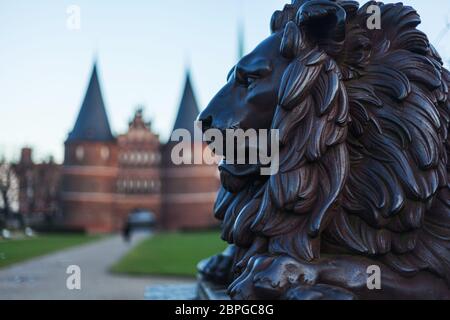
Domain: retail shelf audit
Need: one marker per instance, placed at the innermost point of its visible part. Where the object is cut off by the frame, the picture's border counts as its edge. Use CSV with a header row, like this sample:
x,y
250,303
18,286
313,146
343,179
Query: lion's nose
x,y
206,122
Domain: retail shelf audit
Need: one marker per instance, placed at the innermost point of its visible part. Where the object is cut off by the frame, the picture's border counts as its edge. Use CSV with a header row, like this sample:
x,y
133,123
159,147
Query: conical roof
x,y
241,41
188,110
92,123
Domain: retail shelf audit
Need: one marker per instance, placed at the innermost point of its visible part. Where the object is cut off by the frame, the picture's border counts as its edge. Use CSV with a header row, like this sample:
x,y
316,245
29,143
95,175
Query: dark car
x,y
139,221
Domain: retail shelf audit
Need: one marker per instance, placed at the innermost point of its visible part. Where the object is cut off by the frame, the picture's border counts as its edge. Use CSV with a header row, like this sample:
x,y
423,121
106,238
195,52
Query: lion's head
x,y
362,116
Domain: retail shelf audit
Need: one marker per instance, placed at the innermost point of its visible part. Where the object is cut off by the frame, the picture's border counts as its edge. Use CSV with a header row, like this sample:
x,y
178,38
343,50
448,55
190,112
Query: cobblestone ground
x,y
45,277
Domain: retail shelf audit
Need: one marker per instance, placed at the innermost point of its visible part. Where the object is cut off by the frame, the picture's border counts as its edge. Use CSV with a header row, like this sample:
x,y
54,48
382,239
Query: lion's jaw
x,y
233,183
235,178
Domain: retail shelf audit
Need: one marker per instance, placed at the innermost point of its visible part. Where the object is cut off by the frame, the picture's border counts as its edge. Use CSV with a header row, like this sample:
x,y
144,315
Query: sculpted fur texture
x,y
363,117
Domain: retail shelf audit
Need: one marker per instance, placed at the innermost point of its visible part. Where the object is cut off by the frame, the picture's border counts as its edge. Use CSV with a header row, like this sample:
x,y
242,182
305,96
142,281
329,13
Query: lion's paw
x,y
243,288
283,273
269,277
218,268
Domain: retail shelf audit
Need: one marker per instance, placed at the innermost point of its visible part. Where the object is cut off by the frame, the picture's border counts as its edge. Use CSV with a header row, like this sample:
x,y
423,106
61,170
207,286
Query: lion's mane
x,y
363,148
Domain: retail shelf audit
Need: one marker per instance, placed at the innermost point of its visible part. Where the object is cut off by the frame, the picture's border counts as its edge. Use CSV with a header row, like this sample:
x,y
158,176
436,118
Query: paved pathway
x,y
45,277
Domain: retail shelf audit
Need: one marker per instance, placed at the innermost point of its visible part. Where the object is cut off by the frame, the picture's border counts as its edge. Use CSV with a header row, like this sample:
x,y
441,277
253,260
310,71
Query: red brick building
x,y
39,186
138,184
104,178
188,190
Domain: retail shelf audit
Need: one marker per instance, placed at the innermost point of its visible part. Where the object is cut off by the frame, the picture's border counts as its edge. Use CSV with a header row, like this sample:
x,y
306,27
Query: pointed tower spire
x,y
241,41
188,109
92,123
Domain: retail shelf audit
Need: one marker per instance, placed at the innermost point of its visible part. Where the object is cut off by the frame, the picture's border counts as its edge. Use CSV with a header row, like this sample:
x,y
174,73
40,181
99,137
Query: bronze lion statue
x,y
363,118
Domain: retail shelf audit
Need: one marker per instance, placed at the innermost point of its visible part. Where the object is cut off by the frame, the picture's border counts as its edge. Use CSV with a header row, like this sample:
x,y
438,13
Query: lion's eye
x,y
250,80
245,79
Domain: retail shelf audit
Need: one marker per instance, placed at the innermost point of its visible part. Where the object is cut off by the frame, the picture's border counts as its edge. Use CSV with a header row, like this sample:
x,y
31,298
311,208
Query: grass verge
x,y
170,254
14,251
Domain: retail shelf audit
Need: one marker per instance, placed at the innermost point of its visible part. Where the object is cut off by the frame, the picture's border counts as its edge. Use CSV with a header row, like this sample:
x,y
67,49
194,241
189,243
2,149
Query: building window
x,y
132,158
152,158
157,158
104,153
79,153
138,157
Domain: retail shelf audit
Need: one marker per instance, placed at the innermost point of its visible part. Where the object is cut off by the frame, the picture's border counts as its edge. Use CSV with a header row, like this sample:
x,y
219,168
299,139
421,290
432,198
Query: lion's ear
x,y
292,42
323,22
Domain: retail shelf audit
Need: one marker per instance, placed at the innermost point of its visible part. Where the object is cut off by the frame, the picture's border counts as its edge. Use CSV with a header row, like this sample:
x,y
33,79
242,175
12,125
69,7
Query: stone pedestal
x,y
171,292
209,291
202,290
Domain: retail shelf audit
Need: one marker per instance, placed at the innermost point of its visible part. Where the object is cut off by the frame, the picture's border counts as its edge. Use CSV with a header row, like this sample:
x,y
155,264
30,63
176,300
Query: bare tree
x,y
444,32
9,190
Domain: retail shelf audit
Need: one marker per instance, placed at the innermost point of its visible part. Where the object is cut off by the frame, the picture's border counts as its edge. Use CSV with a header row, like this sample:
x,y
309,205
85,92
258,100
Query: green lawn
x,y
170,254
13,251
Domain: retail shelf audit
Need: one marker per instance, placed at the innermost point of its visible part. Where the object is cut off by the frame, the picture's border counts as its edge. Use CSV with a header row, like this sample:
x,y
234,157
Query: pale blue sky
x,y
143,49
